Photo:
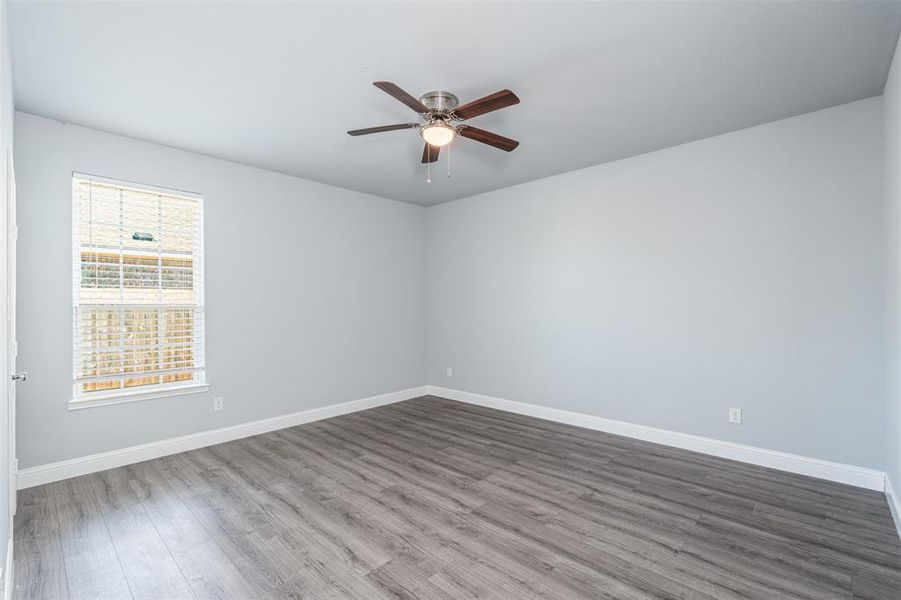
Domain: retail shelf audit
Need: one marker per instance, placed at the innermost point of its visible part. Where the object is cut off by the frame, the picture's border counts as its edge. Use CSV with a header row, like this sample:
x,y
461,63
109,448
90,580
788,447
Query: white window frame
x,y
80,400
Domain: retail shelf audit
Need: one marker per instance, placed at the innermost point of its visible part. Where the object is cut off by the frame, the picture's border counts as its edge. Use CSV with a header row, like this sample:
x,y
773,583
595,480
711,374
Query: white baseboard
x,y
783,461
842,473
894,503
93,463
8,570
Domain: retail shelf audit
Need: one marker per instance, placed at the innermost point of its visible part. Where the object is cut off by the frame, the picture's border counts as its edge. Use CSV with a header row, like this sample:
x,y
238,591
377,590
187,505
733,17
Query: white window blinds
x,y
137,288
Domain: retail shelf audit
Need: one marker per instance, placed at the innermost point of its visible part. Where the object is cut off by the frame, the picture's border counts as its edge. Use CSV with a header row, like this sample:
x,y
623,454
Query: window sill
x,y
136,396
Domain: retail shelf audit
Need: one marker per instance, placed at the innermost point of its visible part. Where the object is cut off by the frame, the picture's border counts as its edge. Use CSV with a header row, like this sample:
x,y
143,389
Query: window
x,y
137,291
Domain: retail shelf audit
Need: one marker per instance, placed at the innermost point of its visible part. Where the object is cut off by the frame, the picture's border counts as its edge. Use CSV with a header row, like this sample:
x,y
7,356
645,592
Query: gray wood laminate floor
x,y
435,499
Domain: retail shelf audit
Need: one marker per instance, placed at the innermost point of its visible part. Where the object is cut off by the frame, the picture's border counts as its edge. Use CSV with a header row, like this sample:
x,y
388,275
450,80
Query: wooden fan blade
x,y
392,90
486,137
430,154
495,101
369,130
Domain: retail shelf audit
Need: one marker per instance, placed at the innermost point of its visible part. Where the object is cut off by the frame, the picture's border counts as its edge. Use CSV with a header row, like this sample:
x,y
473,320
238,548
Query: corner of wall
x,y
891,138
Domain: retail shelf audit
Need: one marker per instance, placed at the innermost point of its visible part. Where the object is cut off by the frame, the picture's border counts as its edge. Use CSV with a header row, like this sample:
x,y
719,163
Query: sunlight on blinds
x,y
137,286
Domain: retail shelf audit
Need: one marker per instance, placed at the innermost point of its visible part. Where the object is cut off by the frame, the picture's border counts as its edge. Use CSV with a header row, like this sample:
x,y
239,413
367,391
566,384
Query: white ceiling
x,y
276,85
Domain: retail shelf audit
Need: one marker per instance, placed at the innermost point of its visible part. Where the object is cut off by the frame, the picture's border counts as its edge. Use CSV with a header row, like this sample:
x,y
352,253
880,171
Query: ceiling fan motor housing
x,y
440,101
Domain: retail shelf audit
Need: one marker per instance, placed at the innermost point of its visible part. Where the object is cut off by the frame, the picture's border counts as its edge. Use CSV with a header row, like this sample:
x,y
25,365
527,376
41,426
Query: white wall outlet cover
x,y
450,371
735,415
218,403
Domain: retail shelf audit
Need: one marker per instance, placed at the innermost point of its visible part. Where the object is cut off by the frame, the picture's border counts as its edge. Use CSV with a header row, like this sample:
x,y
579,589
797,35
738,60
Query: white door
x,y
12,377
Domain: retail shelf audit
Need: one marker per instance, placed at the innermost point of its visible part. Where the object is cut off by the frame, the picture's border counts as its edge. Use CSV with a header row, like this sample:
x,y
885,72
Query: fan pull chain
x,y
448,160
428,166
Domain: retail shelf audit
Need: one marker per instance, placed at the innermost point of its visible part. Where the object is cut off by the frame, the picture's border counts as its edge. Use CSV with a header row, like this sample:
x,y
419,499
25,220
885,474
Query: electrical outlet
x,y
218,403
735,415
450,371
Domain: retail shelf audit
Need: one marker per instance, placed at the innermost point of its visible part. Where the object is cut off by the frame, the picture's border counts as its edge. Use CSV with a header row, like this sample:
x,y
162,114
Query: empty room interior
x,y
434,300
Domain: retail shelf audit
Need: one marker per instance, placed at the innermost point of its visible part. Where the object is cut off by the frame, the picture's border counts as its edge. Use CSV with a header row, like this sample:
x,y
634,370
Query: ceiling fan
x,y
439,112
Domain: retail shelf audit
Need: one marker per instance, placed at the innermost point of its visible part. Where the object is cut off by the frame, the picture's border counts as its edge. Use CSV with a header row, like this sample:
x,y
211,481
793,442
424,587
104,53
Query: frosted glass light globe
x,y
438,134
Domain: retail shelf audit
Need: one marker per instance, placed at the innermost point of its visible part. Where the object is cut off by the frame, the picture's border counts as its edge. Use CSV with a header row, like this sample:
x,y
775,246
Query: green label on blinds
x,y
142,237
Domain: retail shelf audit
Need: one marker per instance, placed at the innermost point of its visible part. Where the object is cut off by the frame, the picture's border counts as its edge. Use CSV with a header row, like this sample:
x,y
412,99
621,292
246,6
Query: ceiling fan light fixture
x,y
438,133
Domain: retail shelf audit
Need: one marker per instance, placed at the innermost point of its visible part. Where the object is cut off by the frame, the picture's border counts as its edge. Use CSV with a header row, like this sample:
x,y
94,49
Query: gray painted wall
x,y
892,142
743,270
314,294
